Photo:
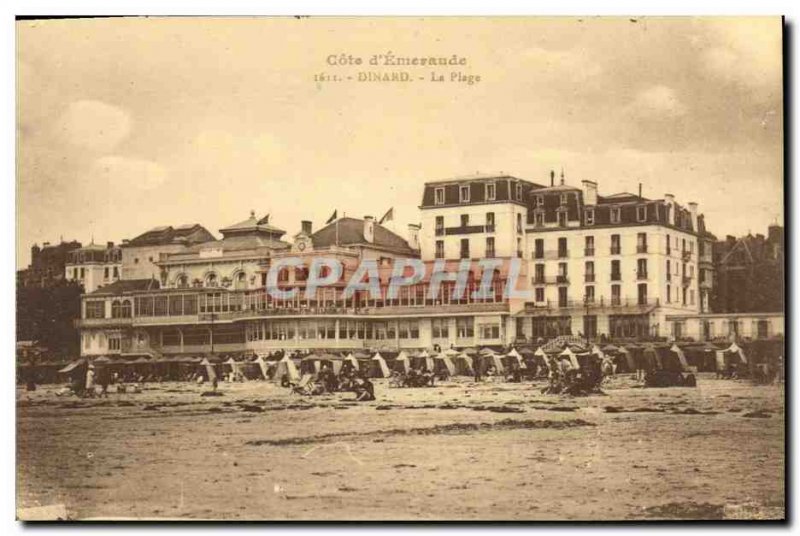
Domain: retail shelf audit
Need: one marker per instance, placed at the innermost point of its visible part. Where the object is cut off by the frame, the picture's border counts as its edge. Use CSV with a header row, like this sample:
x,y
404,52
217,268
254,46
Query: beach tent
x,y
513,357
450,352
378,367
236,367
351,360
423,360
72,366
285,367
493,361
443,361
402,363
262,366
681,356
463,365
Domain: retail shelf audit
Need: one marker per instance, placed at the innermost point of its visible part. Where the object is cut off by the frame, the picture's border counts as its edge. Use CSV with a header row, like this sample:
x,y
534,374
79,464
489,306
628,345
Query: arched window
x,y
116,309
240,281
183,281
211,280
125,309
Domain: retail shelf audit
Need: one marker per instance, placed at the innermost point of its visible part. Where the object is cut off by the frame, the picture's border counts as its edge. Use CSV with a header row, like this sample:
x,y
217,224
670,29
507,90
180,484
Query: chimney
x,y
775,234
413,235
552,178
45,244
640,190
305,227
369,229
109,245
693,214
589,192
669,200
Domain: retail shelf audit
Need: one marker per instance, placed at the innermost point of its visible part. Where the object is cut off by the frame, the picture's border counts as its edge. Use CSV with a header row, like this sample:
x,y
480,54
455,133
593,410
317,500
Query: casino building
x,y
588,265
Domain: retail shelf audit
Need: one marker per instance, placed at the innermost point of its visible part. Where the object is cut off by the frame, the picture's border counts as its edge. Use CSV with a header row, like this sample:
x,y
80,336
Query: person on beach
x,y
90,381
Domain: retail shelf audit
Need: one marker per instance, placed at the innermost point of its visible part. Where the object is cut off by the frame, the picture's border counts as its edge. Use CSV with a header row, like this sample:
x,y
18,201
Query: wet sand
x,y
458,451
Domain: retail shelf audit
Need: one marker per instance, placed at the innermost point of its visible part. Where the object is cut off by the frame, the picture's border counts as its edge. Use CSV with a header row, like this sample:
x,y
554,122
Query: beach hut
x,y
493,360
570,355
350,361
514,357
463,365
423,360
443,362
211,373
285,366
402,363
378,367
675,349
262,365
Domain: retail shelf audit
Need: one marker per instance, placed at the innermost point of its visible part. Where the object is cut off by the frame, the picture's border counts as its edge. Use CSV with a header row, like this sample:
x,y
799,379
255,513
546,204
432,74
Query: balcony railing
x,y
615,250
490,228
640,275
464,229
588,252
632,304
588,278
616,277
641,248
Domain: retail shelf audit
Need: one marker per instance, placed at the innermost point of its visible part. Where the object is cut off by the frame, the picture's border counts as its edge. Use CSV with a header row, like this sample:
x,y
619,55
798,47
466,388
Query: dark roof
x,y
351,232
127,285
253,224
183,234
241,243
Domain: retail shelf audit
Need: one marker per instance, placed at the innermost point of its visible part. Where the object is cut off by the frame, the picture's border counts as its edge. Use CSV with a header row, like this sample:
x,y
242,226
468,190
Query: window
x,y
669,271
691,296
490,222
588,249
95,309
641,213
562,247
465,327
105,273
538,219
116,273
616,245
539,201
615,294
136,260
465,248
114,343
589,216
616,275
562,296
519,223
539,294
491,192
211,280
538,276
669,248
562,272
590,326
588,296
616,213
641,243
150,259
440,249
762,329
642,292
439,196
240,282
464,220
83,273
439,225
563,199
439,328
489,247
463,194
589,272
708,330
519,248
669,294
538,250
519,191
490,331
562,218
641,268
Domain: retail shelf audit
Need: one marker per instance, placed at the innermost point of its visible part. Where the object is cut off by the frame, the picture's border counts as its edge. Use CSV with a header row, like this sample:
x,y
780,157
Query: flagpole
x,y
337,232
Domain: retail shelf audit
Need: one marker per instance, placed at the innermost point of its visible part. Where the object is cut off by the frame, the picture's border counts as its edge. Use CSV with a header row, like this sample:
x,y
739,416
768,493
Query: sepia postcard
x,y
400,269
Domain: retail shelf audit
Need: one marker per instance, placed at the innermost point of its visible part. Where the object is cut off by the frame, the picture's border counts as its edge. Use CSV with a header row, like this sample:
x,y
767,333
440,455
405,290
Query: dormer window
x,y
641,213
539,201
439,196
491,191
519,191
563,199
562,218
539,219
463,194
589,216
616,215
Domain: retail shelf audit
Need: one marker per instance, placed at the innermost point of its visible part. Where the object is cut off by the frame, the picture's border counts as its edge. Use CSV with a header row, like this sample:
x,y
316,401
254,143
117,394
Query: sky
x,y
125,124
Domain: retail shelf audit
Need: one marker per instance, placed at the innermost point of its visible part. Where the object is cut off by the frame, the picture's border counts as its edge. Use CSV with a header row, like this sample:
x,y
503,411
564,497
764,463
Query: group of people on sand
x,y
327,381
95,381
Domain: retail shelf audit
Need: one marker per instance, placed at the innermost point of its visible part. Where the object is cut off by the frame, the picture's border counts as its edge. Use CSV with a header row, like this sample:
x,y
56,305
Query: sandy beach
x,y
458,451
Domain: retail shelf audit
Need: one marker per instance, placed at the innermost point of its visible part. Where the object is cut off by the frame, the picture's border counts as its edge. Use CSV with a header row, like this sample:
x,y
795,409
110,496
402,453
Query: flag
x,y
332,218
264,220
389,216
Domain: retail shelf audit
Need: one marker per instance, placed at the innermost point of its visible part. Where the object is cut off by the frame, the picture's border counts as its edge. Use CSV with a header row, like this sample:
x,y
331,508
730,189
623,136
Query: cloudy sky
x,y
128,124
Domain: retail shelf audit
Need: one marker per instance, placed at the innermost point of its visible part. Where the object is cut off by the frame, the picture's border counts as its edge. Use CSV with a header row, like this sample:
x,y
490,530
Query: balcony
x,y
550,280
464,229
553,254
588,252
563,253
641,248
613,306
98,322
490,228
538,254
616,277
588,278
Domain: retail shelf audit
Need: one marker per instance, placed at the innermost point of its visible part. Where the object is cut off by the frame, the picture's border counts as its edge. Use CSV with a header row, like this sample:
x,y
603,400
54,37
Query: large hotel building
x,y
617,266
